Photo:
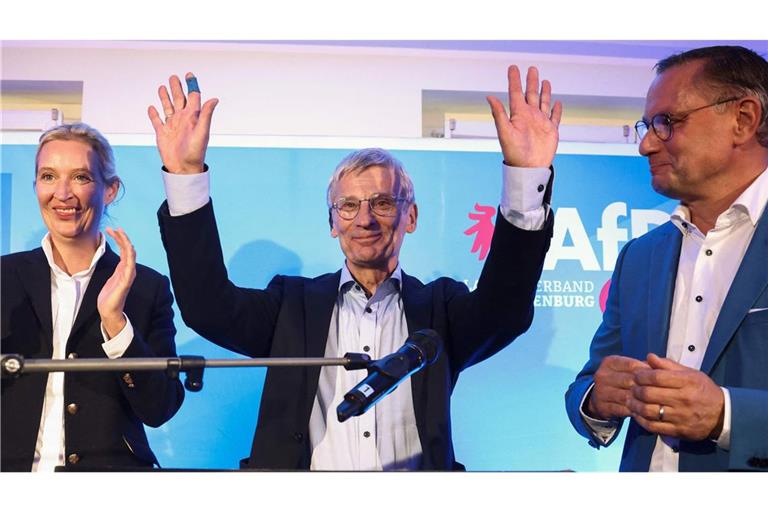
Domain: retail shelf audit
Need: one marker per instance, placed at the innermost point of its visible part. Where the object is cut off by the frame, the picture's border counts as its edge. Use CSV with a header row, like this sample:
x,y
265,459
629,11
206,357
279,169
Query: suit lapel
x,y
750,281
319,299
661,288
88,311
418,307
36,279
418,315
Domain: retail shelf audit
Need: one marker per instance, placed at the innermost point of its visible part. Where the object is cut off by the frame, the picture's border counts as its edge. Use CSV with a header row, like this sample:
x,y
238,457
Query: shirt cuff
x,y
724,441
602,430
117,346
186,192
522,195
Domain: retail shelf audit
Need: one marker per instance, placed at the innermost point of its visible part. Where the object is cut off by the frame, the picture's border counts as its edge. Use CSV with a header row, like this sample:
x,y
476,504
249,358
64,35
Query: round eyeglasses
x,y
384,205
662,123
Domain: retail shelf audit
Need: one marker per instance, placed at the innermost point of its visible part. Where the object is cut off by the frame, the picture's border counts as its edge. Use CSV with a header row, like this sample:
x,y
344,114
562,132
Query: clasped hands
x,y
663,396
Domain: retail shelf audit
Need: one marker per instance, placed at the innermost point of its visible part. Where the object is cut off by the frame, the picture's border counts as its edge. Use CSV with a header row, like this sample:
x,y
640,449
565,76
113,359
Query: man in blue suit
x,y
683,347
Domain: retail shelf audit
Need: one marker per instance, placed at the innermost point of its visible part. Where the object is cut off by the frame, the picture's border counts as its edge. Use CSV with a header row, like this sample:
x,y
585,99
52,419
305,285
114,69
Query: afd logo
x,y
569,227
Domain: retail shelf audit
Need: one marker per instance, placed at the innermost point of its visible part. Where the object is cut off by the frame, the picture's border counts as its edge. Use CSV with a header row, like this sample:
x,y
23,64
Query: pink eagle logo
x,y
482,229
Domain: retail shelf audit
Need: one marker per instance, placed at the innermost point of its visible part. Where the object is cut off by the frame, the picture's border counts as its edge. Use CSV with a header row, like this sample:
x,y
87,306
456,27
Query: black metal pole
x,y
14,365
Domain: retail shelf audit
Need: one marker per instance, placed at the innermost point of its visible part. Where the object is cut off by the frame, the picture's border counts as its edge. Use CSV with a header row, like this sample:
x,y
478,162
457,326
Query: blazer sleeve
x,y
238,319
606,342
749,423
153,396
501,306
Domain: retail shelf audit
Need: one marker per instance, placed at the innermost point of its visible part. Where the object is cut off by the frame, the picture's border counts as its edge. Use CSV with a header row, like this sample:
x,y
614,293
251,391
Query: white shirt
x,y
66,297
705,272
386,437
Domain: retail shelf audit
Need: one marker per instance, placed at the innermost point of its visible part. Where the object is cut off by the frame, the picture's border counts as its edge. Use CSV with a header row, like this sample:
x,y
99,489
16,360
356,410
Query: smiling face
x,y
371,241
694,163
71,192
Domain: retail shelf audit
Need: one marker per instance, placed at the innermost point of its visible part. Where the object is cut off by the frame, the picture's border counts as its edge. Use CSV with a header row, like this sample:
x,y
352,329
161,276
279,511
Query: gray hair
x,y
358,161
729,71
81,132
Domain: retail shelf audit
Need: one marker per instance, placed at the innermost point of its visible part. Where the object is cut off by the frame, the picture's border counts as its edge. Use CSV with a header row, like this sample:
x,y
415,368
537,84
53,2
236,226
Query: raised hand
x,y
528,136
183,138
614,381
111,300
693,403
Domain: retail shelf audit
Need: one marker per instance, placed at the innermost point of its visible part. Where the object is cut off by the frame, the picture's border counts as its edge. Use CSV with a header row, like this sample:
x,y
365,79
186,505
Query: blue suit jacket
x,y
636,322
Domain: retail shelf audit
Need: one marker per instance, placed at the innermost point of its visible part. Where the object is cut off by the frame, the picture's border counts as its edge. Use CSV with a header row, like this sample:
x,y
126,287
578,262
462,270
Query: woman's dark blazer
x,y
104,412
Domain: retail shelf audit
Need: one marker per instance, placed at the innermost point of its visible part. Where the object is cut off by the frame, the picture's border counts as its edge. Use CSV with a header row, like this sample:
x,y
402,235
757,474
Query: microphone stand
x,y
15,365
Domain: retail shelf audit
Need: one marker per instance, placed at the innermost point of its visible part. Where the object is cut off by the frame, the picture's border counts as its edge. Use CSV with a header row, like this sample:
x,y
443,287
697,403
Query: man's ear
x,y
411,217
334,233
748,118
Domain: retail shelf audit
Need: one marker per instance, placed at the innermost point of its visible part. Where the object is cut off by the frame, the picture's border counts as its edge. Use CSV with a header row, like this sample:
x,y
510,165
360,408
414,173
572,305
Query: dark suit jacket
x,y
105,428
291,318
636,322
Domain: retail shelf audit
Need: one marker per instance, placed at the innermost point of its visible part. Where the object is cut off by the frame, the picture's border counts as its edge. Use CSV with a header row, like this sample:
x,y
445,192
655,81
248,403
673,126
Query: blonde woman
x,y
75,298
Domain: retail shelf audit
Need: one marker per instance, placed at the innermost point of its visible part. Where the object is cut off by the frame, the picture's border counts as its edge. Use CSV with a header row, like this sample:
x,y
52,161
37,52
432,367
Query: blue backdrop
x,y
508,411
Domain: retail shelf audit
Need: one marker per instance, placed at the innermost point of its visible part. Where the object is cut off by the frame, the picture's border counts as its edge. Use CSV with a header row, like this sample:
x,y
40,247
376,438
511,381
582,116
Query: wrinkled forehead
x,y
677,89
363,182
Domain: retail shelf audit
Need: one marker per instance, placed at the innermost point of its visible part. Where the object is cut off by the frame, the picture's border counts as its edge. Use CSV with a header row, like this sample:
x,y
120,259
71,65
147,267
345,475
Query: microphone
x,y
420,349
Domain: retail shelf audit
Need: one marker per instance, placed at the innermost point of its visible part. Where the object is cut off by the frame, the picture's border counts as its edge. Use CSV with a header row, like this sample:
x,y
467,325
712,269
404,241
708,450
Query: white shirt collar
x,y
48,250
346,277
752,202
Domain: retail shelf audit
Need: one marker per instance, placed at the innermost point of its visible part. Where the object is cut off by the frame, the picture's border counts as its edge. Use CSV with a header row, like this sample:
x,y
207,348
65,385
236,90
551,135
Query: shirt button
x,y
357,287
708,252
298,436
73,458
685,225
366,348
699,298
72,409
675,449
691,348
366,434
368,309
540,188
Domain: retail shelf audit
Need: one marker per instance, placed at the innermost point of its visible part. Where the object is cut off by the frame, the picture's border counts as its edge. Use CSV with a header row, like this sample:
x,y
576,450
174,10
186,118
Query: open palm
x,y
529,134
183,138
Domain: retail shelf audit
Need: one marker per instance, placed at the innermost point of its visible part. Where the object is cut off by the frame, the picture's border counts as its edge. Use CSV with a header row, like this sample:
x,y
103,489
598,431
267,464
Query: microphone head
x,y
428,342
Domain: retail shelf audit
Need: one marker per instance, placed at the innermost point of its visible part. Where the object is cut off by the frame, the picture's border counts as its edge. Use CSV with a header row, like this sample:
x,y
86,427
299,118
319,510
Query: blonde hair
x,y
105,159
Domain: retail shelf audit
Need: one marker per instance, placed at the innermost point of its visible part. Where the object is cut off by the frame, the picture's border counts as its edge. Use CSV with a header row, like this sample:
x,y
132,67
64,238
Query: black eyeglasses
x,y
662,123
384,205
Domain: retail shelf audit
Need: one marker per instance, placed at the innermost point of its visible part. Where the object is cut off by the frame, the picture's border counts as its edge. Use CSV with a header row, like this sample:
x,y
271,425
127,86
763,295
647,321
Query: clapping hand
x,y
111,300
